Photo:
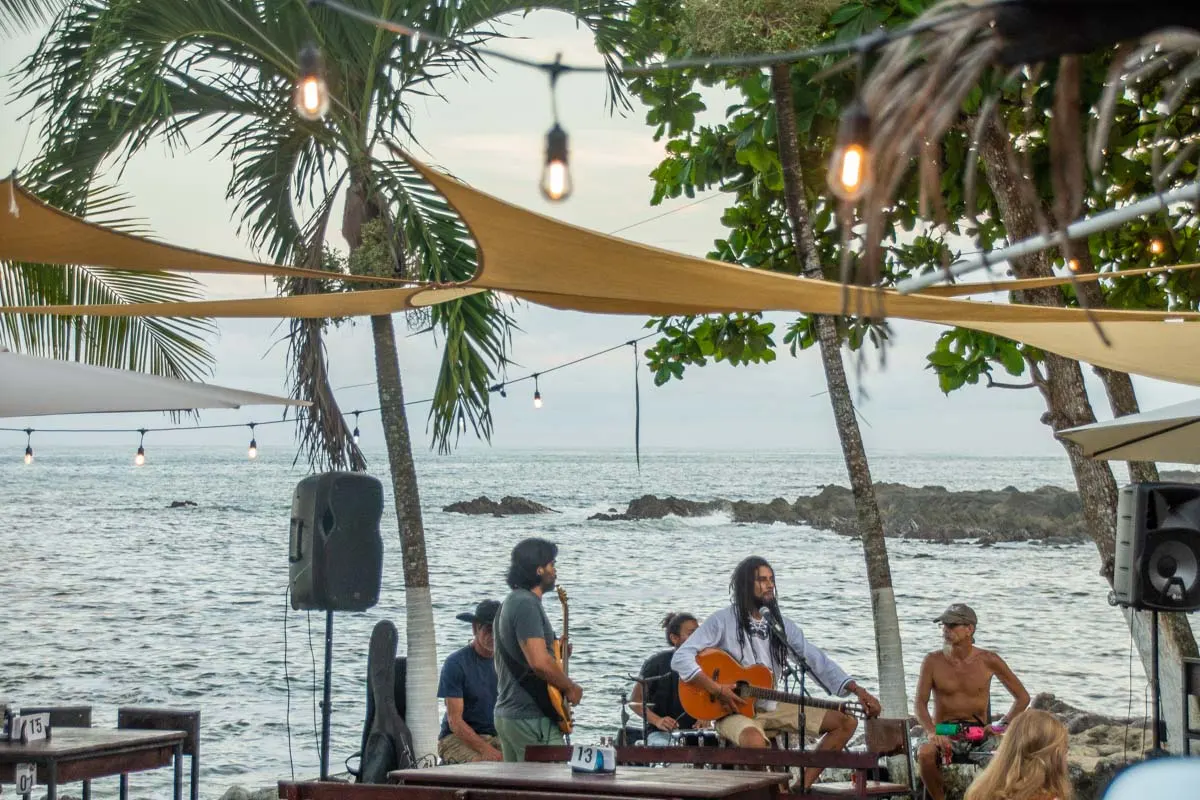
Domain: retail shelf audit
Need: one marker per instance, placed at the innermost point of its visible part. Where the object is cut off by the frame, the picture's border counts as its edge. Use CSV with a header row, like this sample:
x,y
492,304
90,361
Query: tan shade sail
x,y
33,231
545,261
1165,434
1016,285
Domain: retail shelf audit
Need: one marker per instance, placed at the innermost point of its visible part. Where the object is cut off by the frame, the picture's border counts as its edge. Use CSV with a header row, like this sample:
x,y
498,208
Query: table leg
x,y
124,786
179,771
52,781
195,794
87,790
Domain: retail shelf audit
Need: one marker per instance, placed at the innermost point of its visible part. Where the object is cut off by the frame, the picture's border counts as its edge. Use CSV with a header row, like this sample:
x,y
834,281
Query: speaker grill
x,y
1158,547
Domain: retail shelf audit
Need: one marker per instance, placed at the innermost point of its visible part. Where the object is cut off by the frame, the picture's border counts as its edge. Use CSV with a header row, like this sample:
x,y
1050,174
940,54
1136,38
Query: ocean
x,y
115,599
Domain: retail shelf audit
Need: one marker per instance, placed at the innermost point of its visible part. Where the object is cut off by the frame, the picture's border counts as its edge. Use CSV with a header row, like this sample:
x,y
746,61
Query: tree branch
x,y
994,384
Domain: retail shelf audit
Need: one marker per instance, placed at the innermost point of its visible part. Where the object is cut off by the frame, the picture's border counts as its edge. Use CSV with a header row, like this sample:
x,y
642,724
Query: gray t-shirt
x,y
521,617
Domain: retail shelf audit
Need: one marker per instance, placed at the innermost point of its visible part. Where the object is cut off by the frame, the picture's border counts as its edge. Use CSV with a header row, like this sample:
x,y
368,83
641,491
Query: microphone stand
x,y
776,627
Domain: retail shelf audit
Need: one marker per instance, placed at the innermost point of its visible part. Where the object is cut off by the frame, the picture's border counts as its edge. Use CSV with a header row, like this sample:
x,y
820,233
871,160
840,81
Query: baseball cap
x,y
959,614
485,613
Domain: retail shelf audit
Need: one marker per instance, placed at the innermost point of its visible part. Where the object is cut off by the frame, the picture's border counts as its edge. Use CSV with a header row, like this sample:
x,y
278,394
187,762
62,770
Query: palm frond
x,y
17,16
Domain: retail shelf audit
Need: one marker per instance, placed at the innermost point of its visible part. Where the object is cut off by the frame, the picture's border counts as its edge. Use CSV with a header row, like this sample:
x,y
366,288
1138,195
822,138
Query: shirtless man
x,y
960,677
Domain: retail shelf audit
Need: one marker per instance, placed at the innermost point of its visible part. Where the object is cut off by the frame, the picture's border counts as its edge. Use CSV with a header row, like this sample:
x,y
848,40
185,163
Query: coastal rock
x,y
182,504
1048,515
508,506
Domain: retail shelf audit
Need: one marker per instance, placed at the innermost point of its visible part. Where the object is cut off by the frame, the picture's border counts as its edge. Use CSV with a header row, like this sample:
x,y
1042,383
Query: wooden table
x,y
76,754
501,781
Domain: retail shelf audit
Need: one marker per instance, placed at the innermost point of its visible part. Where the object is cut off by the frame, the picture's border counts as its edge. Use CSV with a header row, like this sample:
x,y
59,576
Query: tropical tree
x,y
113,77
768,154
25,15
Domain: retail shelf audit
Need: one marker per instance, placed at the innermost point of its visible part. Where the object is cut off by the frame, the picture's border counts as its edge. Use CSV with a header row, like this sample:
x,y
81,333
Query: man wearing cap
x,y
959,676
468,685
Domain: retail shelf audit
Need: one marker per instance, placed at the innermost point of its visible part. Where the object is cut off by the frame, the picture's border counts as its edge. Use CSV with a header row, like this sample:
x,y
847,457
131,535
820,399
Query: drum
x,y
705,737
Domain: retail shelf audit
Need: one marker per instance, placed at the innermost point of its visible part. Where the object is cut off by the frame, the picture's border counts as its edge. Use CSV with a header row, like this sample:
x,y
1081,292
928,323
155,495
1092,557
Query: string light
x,y
850,166
253,451
1156,247
29,445
1073,265
537,392
356,413
140,458
556,174
312,93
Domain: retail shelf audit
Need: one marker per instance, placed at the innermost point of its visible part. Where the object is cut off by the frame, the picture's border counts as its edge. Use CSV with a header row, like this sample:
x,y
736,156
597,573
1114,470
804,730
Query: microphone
x,y
773,623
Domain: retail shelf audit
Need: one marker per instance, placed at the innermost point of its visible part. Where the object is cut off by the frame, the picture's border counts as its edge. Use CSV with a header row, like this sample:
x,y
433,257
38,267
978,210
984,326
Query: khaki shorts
x,y
454,750
785,718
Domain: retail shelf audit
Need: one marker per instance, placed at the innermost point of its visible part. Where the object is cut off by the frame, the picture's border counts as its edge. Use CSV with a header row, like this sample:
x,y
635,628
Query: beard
x,y
947,648
548,582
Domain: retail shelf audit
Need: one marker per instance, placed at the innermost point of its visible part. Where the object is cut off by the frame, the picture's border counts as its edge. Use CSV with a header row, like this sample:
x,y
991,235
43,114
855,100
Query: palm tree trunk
x,y
422,677
1067,406
888,650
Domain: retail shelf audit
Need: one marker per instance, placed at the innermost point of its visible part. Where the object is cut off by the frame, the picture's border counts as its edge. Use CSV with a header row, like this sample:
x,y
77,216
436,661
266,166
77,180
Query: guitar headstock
x,y
562,595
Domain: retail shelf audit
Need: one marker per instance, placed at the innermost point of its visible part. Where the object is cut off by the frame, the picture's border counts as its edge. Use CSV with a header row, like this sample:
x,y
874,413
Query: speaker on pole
x,y
1158,547
335,551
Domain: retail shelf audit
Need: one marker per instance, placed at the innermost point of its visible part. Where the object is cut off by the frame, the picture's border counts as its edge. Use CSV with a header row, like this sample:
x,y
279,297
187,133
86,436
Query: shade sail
x,y
32,386
552,263
1166,434
1021,284
33,231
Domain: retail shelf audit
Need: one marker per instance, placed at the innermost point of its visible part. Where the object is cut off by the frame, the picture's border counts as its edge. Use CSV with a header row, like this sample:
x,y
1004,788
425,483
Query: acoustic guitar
x,y
755,682
562,654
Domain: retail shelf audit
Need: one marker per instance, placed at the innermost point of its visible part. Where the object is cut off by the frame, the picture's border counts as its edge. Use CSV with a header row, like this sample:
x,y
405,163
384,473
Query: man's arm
x,y
546,668
1013,684
460,728
709,634
924,690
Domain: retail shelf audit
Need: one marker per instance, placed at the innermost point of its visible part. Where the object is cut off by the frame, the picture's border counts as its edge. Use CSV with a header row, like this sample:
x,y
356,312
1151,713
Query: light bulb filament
x,y
851,173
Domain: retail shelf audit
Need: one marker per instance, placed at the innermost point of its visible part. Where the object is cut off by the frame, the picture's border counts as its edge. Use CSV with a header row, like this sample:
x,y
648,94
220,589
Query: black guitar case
x,y
387,742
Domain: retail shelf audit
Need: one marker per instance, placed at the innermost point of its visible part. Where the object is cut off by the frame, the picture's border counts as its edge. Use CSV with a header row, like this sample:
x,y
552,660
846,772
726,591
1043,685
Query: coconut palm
x,y
113,77
23,15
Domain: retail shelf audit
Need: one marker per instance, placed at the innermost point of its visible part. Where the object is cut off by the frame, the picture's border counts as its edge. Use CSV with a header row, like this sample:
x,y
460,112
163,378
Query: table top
x,y
643,781
67,742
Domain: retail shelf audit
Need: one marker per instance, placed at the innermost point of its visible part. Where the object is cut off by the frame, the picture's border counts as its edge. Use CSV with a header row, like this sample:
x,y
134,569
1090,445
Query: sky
x,y
489,131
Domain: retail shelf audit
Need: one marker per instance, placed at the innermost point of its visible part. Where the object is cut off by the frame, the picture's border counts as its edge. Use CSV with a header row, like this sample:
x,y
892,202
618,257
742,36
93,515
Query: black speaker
x,y
1158,547
335,550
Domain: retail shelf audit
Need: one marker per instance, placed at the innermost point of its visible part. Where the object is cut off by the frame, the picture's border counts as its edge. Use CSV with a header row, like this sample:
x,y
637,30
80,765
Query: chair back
x,y
64,716
164,719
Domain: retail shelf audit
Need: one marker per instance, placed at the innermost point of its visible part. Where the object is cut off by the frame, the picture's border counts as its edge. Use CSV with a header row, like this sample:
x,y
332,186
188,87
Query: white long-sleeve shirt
x,y
720,630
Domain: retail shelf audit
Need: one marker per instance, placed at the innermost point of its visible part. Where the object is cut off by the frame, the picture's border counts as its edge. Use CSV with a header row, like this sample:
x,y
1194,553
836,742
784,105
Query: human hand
x,y
491,754
942,743
871,704
728,697
667,724
574,694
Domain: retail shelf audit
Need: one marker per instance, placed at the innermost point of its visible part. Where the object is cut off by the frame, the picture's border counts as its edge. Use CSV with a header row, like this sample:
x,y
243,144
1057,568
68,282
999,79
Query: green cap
x,y
959,614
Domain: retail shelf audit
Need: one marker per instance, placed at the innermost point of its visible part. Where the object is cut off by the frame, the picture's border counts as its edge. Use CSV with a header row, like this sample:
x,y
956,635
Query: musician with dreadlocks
x,y
742,631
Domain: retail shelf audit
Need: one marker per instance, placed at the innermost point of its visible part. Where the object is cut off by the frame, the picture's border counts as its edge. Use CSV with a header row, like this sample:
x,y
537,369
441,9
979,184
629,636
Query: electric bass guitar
x,y
562,654
755,682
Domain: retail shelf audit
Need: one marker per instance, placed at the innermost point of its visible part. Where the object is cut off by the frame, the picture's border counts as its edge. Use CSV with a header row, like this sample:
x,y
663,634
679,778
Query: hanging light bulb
x,y
1156,247
29,445
1073,265
140,458
556,175
850,167
253,451
537,394
312,93
356,413
28,454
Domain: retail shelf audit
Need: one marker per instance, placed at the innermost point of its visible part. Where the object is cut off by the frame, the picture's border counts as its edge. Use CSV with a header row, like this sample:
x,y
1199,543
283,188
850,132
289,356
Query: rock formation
x,y
508,506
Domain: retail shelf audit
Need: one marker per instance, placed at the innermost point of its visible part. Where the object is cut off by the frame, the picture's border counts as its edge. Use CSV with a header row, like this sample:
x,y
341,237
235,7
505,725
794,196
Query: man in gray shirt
x,y
524,648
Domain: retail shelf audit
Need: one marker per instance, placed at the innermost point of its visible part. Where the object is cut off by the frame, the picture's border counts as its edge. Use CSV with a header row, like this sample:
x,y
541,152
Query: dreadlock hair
x,y
741,593
673,623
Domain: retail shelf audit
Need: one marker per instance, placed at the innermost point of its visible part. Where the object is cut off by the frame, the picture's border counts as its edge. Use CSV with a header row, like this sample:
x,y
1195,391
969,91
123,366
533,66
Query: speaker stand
x,y
326,708
1156,748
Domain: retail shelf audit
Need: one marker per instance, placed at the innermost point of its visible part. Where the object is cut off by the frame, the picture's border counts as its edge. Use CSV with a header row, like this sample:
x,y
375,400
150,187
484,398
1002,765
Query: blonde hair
x,y
1031,763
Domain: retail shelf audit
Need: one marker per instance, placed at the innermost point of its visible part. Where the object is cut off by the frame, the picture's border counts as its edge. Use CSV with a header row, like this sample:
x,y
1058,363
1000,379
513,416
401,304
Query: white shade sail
x,y
32,386
1165,434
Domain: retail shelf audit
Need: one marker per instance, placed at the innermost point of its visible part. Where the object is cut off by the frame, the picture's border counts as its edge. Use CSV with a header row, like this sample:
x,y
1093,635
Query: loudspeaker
x,y
335,550
1158,547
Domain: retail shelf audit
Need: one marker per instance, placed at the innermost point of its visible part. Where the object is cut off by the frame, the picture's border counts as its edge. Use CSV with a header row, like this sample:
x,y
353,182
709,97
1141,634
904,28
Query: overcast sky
x,y
489,132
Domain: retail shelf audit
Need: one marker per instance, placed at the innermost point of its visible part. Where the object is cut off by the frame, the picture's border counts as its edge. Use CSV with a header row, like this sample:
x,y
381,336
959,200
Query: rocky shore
x,y
507,507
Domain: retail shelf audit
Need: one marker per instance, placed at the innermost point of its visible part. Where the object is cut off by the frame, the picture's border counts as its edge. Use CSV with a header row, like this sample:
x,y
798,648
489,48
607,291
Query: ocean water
x,y
111,598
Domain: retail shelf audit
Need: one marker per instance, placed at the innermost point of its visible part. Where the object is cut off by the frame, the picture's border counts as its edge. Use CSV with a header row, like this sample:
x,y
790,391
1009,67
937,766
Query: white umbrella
x,y
32,386
1166,434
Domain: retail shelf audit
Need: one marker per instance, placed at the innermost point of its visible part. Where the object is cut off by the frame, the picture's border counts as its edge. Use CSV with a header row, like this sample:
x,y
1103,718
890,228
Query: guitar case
x,y
386,741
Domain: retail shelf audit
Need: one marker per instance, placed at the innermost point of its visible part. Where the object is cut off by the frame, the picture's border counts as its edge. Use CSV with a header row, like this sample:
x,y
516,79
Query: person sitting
x,y
468,685
1031,763
662,709
959,677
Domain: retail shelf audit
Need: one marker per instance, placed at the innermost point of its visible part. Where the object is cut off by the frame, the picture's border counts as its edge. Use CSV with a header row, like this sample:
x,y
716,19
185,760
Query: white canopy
x,y
32,386
1166,434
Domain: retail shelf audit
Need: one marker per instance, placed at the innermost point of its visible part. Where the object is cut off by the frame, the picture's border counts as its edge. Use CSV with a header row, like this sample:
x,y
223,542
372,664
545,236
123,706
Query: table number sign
x,y
25,776
29,728
593,758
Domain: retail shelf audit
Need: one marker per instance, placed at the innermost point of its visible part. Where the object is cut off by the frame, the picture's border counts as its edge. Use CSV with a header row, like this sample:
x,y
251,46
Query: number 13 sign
x,y
586,758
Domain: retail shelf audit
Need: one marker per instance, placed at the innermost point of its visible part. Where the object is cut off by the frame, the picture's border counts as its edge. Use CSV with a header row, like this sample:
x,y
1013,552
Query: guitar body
x,y
723,668
566,722
750,683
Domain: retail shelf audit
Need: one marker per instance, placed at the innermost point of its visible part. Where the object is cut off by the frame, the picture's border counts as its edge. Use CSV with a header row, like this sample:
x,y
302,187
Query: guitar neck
x,y
785,697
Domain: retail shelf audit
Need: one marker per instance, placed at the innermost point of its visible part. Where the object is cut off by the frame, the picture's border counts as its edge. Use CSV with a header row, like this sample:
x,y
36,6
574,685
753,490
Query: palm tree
x,y
112,77
23,15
